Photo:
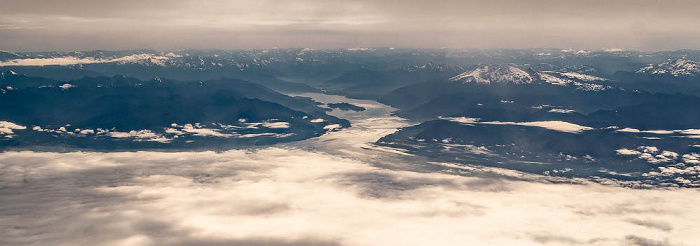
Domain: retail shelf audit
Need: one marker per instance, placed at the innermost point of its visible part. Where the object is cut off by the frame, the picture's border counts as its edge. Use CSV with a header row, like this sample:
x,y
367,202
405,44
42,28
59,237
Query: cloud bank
x,y
289,196
71,60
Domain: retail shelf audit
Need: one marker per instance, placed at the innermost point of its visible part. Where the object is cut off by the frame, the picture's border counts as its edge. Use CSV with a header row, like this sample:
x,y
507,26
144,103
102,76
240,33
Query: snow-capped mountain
x,y
511,74
581,81
5,55
677,67
492,74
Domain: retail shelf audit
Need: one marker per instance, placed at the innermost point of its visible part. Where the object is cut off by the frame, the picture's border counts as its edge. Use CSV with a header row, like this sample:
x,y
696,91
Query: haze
x,y
215,24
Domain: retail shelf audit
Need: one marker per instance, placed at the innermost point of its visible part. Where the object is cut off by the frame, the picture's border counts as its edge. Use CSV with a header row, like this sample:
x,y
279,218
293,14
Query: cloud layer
x,y
83,24
288,196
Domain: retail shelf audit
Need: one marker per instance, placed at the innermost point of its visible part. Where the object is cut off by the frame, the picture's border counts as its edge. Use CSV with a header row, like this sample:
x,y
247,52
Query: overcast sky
x,y
31,25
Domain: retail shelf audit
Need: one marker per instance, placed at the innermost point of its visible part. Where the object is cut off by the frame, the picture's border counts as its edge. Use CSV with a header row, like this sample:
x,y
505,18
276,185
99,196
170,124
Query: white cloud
x,y
627,152
332,127
6,127
72,60
290,195
463,120
647,153
140,135
692,158
654,159
561,126
630,130
669,154
690,133
203,132
275,125
648,149
87,131
173,131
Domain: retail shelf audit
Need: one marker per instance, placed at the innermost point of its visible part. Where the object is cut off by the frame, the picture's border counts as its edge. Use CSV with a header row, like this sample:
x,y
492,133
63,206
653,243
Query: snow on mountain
x,y
511,74
489,74
552,78
427,66
675,67
583,77
571,78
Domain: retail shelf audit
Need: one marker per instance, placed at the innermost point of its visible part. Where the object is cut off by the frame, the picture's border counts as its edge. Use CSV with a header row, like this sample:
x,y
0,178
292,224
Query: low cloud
x,y
289,196
71,60
561,126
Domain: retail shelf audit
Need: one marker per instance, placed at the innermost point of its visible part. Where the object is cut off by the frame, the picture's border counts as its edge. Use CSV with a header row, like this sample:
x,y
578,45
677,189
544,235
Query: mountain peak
x,y
675,67
488,74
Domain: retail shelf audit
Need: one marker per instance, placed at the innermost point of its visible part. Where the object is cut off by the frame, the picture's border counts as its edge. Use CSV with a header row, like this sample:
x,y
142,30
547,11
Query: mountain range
x,y
623,115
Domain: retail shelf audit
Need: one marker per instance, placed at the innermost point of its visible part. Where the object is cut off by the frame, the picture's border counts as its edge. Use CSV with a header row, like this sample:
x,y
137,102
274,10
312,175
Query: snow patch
x,y
627,152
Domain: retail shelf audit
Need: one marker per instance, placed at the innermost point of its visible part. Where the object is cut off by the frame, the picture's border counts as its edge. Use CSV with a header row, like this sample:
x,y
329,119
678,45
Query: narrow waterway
x,y
357,141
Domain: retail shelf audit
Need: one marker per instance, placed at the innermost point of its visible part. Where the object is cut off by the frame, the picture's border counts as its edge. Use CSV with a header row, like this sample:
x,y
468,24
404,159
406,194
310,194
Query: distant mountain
x,y
676,67
544,101
4,56
145,65
534,148
558,120
672,76
512,74
371,84
123,112
10,80
489,74
656,111
617,114
507,90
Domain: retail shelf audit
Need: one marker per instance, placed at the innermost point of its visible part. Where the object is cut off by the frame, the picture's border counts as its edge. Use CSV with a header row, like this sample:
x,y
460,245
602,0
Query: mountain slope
x,y
675,67
122,112
489,74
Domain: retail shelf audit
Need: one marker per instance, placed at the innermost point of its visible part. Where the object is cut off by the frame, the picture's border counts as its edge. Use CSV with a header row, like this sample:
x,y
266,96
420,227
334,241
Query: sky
x,y
35,25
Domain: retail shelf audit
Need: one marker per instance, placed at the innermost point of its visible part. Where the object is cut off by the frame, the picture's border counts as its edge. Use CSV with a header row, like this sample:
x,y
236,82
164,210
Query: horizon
x,y
365,48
